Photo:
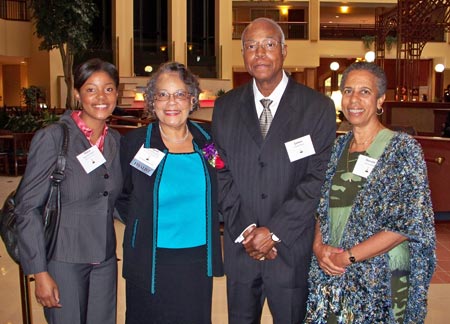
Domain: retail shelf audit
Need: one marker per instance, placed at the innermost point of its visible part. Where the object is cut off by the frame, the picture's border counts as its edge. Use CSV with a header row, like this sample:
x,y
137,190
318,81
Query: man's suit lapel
x,y
248,113
286,109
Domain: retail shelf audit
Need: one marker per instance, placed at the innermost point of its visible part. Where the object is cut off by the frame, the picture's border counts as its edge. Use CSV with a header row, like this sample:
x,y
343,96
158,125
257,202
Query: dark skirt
x,y
183,290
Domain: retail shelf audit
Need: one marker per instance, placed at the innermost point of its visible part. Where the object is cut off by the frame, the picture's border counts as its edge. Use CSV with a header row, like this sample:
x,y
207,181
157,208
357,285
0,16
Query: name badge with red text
x,y
147,160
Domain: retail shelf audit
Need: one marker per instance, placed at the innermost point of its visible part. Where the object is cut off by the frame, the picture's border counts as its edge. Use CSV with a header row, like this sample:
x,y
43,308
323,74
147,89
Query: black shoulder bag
x,y
51,213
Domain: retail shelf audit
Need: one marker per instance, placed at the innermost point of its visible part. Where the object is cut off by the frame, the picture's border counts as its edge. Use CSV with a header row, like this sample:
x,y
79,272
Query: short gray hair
x,y
372,68
269,21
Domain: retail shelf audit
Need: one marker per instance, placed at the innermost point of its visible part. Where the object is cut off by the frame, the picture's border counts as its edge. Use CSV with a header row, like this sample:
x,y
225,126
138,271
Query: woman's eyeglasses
x,y
177,95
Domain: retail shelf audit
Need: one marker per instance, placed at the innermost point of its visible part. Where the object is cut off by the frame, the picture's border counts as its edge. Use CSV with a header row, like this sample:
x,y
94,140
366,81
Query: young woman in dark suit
x,y
78,284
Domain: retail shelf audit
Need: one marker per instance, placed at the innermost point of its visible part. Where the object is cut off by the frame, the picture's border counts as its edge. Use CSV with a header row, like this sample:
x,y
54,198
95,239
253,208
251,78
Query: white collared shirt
x,y
275,96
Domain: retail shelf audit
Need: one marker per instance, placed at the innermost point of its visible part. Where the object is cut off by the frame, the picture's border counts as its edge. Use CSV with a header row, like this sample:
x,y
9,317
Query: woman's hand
x,y
46,291
328,257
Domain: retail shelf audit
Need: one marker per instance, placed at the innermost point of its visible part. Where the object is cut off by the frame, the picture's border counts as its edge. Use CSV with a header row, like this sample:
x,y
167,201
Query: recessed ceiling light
x,y
343,9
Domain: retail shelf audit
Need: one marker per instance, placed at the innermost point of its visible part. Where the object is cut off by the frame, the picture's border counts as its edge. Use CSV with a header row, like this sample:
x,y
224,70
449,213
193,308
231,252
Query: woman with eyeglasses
x,y
172,242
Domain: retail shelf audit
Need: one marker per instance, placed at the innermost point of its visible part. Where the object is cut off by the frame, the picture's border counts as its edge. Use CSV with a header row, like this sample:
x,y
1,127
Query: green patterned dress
x,y
345,186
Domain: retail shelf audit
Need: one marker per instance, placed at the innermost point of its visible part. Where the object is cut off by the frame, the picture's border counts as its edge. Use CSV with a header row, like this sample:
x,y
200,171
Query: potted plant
x,y
220,92
23,123
368,41
32,96
390,40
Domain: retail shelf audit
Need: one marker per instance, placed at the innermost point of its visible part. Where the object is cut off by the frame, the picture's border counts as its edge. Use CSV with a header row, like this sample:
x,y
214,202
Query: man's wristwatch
x,y
351,258
275,238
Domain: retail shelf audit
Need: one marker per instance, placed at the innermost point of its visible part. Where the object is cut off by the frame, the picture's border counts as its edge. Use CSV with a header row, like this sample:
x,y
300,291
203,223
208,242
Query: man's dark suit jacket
x,y
260,185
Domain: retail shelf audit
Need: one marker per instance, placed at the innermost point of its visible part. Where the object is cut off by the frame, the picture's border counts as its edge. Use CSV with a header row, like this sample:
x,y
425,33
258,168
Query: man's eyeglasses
x,y
177,95
268,44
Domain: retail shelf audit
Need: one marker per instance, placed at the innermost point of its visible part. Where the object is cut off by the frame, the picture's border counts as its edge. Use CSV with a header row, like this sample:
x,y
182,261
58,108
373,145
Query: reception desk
x,y
437,157
426,117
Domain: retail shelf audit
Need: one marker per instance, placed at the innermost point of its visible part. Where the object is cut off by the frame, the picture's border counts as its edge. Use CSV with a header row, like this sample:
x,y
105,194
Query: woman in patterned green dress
x,y
375,239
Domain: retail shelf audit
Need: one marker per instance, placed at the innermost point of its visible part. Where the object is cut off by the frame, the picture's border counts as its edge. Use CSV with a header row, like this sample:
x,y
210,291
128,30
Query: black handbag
x,y
51,212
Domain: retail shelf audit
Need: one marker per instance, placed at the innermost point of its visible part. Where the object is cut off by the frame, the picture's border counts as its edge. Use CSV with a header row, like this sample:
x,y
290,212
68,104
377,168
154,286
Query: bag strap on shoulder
x,y
58,174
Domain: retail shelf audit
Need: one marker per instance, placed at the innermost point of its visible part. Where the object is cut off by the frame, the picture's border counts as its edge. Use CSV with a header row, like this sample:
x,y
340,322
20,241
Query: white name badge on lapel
x,y
364,166
147,160
300,148
91,159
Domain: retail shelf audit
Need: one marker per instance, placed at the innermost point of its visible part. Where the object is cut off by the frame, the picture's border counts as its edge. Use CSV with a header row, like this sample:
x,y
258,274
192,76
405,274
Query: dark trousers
x,y
246,301
88,293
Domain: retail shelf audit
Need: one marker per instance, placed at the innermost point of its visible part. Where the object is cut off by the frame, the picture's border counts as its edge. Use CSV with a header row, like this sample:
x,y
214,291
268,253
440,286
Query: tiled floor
x,y
442,273
10,309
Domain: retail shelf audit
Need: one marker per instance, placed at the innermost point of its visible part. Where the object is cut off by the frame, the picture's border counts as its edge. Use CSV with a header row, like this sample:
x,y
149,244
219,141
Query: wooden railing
x,y
292,30
14,10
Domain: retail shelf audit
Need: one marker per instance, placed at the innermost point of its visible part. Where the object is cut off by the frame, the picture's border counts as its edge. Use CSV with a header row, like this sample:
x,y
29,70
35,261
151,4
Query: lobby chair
x,y
21,146
4,162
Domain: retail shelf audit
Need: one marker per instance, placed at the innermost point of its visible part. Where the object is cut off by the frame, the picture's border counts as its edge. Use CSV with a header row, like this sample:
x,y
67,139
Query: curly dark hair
x,y
189,79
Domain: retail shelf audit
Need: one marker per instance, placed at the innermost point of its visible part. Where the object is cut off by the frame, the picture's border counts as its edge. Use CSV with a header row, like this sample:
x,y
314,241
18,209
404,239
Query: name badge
x,y
91,159
147,160
300,148
364,166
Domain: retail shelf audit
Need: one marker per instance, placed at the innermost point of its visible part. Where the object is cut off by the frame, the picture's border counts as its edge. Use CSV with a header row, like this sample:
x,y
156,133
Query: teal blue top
x,y
182,202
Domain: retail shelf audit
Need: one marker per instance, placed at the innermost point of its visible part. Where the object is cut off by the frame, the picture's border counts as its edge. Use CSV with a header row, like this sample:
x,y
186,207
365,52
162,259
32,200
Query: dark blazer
x,y
136,205
260,185
86,233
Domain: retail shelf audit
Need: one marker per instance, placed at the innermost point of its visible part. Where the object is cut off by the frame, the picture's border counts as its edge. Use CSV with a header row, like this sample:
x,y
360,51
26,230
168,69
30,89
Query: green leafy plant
x,y
31,96
368,41
390,40
26,123
220,92
4,118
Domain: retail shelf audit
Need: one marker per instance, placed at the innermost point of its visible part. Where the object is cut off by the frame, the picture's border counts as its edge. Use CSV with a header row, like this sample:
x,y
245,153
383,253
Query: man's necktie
x,y
266,117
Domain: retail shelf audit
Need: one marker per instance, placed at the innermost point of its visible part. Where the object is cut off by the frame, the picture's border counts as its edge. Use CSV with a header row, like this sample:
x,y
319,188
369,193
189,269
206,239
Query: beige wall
x,y
44,68
123,36
177,34
223,39
1,86
13,38
12,85
38,70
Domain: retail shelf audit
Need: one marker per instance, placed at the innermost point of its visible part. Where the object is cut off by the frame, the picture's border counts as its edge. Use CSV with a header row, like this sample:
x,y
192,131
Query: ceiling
x,y
9,60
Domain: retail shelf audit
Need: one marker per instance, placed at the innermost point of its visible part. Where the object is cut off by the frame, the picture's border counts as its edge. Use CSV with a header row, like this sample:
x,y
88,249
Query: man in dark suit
x,y
275,153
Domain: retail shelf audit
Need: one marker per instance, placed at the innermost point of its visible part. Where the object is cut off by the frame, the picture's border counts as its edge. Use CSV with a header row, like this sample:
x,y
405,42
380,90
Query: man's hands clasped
x,y
258,243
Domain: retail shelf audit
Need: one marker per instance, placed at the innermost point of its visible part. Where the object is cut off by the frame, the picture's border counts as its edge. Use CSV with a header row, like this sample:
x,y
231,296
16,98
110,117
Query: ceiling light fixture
x,y
334,66
344,9
439,67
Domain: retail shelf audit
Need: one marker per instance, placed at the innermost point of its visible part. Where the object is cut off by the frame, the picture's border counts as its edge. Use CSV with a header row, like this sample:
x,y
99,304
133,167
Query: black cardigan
x,y
135,207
